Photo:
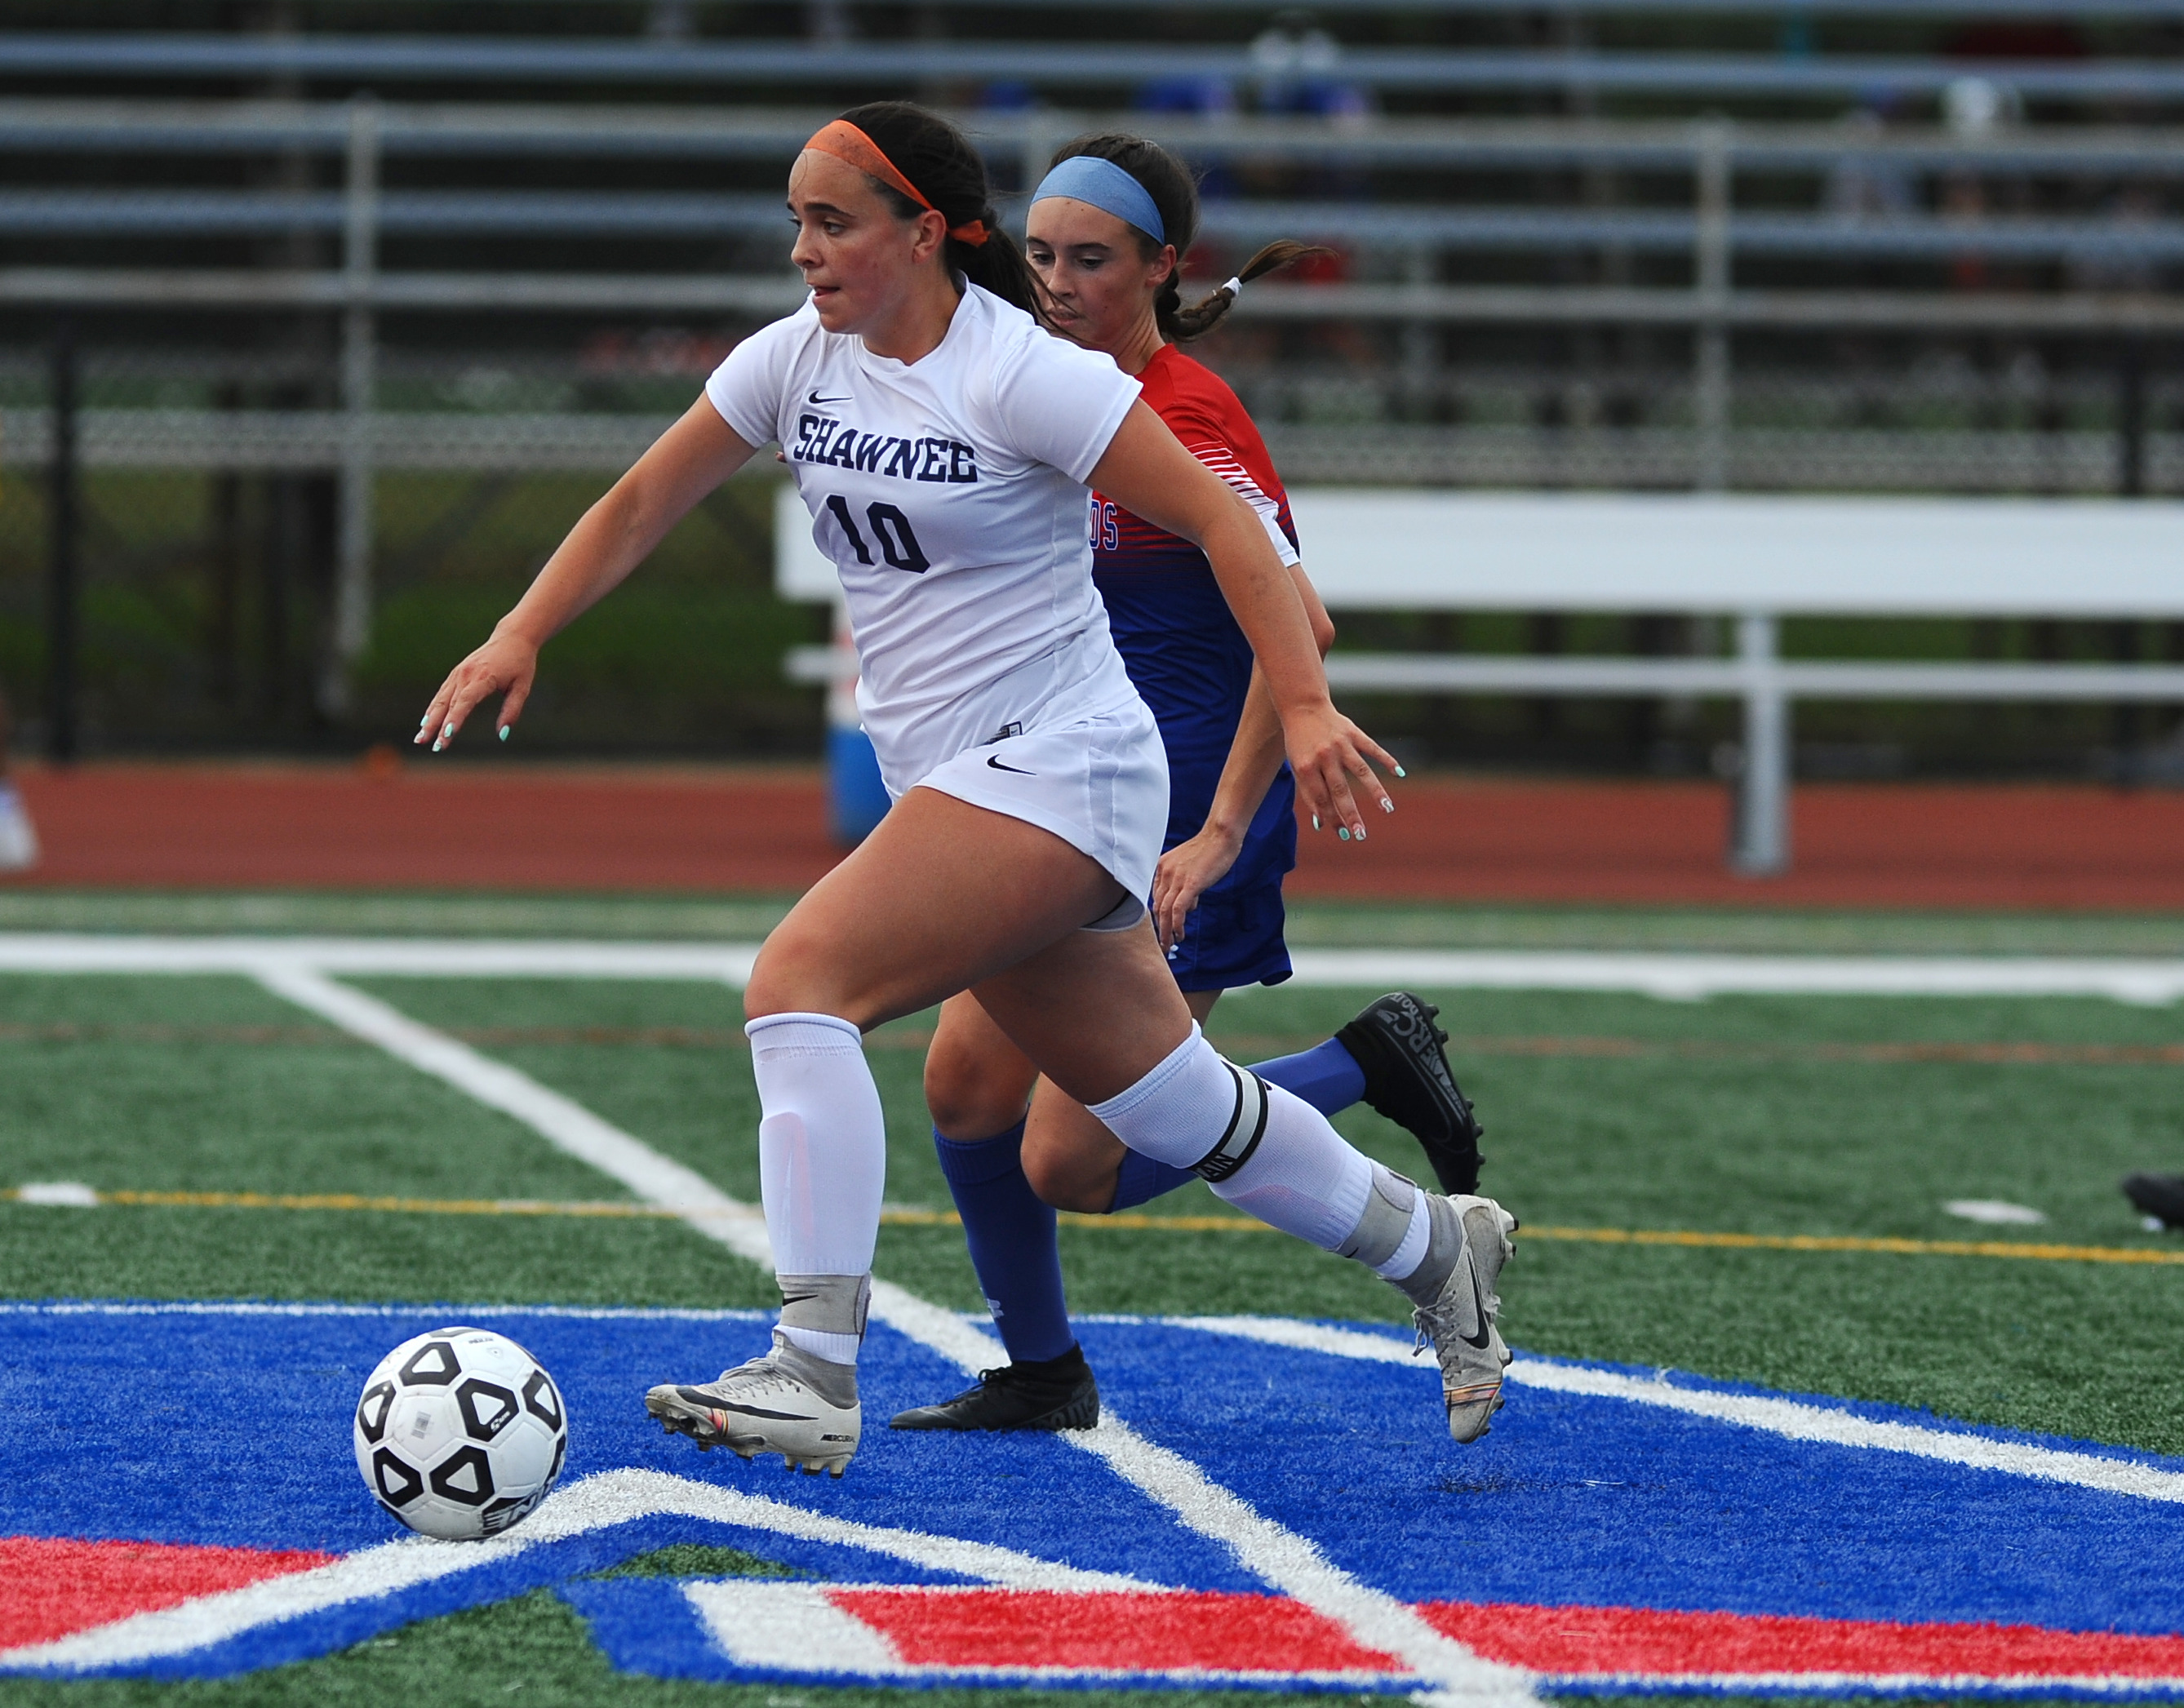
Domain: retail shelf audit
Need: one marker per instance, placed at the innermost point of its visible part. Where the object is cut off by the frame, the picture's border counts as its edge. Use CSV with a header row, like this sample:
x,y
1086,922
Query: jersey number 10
x,y
898,544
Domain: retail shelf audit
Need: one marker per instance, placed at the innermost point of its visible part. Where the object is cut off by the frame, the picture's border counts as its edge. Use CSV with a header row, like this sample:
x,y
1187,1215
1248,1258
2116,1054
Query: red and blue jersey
x,y
1183,647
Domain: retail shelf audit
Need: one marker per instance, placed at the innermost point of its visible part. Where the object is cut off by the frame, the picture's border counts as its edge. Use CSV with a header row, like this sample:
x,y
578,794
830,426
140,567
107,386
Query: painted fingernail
x,y
448,733
1343,830
1400,772
504,729
426,721
1386,805
438,745
1358,837
1315,821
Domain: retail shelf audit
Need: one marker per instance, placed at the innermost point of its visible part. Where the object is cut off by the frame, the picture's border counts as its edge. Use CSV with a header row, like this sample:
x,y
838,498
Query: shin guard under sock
x,y
1010,1235
1262,1149
823,1169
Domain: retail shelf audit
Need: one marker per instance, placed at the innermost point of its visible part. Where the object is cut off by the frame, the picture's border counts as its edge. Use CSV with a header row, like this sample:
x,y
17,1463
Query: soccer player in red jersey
x,y
1108,227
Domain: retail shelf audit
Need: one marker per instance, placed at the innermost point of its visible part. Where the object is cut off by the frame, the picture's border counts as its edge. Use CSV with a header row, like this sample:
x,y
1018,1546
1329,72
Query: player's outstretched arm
x,y
1147,471
614,536
1189,869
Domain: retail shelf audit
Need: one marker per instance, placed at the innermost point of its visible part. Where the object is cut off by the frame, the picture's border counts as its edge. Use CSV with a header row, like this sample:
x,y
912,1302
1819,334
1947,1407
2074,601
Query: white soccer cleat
x,y
18,842
1460,1323
771,1404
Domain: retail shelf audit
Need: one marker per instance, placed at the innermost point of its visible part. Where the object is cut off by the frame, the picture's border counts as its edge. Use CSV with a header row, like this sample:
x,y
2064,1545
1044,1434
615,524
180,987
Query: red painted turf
x,y
50,1586
1261,1633
483,826
1191,1629
1596,1640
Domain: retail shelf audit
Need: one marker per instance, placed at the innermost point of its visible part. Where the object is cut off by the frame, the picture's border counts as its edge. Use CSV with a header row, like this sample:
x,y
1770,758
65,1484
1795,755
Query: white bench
x,y
1757,559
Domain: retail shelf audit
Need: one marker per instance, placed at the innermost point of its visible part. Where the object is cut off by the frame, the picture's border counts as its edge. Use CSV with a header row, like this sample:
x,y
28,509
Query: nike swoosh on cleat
x,y
777,1417
1018,770
813,397
1479,1313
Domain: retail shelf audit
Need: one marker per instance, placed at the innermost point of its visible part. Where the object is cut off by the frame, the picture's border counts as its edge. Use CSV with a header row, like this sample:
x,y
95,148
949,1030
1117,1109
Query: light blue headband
x,y
1104,184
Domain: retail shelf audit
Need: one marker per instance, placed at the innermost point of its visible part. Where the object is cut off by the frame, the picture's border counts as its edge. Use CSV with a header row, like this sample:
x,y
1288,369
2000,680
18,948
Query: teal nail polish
x,y
1343,830
504,729
1400,772
425,721
447,734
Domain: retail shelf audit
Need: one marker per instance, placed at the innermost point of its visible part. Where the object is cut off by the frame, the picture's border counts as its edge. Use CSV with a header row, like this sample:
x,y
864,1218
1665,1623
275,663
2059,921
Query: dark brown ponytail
x,y
1174,192
949,173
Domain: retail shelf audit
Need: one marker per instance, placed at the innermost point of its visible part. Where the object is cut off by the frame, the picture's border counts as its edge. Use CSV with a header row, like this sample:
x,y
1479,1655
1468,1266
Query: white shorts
x,y
1101,784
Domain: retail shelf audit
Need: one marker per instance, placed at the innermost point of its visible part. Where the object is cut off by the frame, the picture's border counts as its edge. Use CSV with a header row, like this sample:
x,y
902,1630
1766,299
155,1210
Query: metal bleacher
x,y
1571,266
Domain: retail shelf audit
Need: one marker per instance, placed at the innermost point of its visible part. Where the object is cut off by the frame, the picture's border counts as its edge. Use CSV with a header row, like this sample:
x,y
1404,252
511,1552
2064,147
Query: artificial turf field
x,y
1855,1118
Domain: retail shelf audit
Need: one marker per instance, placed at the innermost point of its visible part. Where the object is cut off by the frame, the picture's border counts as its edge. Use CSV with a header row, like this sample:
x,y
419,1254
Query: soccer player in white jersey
x,y
942,440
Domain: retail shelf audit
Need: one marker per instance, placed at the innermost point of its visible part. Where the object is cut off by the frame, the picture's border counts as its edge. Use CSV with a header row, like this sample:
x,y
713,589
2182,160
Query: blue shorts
x,y
1233,939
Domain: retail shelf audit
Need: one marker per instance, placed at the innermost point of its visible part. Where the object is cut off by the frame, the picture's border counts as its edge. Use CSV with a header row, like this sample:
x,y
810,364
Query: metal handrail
x,y
442,128
368,59
525,213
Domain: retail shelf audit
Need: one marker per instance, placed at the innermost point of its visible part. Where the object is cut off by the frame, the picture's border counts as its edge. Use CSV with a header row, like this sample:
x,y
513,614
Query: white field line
x,y
1287,1562
1671,977
567,1125
453,1313
1785,1417
613,1496
728,963
798,1628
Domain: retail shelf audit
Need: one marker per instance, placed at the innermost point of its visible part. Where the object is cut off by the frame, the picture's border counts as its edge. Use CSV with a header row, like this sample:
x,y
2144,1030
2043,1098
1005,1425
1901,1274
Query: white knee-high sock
x,y
822,1170
1300,1175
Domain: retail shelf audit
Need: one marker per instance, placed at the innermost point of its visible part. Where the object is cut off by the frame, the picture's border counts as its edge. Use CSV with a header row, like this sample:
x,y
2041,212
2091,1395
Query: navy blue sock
x,y
1011,1234
1327,1076
1143,1179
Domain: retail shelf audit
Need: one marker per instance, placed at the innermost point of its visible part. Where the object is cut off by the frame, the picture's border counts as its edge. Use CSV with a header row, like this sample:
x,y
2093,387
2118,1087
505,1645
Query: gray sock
x,y
835,1383
1444,1248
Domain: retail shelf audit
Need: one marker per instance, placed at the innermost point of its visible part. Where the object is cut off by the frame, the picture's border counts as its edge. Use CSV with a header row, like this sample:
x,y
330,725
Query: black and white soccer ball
x,y
460,1433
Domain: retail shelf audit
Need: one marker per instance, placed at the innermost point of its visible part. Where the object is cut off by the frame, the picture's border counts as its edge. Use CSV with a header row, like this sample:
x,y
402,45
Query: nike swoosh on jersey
x,y
813,397
1018,770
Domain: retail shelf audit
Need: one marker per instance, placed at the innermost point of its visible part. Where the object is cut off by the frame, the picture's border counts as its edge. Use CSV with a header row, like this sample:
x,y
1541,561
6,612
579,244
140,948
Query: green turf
x,y
1756,929
1741,1115
695,1560
253,1096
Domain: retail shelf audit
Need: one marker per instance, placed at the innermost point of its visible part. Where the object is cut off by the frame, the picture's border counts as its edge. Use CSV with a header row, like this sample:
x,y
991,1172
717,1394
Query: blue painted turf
x,y
235,1430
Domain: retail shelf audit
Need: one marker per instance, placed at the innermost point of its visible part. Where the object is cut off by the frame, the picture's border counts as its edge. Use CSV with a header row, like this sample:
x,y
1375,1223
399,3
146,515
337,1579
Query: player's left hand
x,y
1332,758
1185,872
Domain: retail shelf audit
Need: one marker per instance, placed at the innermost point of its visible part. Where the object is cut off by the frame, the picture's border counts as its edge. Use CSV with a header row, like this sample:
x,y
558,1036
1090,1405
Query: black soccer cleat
x,y
1407,1079
1053,1394
2161,1196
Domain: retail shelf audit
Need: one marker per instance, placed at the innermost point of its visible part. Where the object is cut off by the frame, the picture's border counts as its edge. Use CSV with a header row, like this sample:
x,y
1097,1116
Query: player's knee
x,y
793,976
967,1098
1064,1181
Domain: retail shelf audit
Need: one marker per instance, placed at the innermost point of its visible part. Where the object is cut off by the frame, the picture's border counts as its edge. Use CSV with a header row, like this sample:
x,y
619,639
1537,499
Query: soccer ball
x,y
460,1433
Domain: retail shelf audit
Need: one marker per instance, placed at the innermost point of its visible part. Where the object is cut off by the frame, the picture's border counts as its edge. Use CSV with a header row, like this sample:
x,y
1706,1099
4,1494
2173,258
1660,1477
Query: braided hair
x,y
939,159
1174,192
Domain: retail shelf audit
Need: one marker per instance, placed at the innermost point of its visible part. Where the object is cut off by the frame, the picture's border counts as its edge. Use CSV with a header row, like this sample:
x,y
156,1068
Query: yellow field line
x,y
1818,1242
1132,1223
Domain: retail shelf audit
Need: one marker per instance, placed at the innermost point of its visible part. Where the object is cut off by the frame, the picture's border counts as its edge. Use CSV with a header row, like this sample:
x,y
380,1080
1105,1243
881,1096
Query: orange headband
x,y
845,142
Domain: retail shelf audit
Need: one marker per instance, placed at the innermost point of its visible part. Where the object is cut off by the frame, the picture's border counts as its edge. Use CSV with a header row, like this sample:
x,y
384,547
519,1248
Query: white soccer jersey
x,y
950,493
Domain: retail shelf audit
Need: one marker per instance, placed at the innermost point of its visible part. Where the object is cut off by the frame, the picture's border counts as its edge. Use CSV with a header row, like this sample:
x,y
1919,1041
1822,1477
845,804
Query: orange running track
x,y
483,826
